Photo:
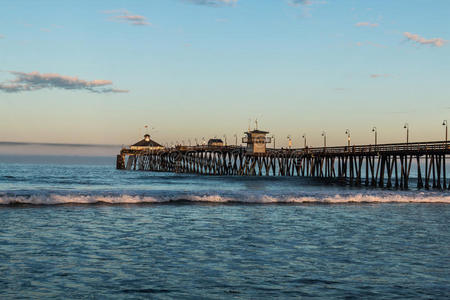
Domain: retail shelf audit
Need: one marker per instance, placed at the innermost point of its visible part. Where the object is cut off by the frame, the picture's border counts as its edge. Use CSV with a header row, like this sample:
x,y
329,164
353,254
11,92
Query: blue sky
x,y
194,69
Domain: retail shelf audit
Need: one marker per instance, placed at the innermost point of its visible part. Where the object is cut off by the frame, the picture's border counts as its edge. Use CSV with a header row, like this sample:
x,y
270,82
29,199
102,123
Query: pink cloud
x,y
300,2
119,91
35,81
437,42
306,2
126,17
214,2
379,75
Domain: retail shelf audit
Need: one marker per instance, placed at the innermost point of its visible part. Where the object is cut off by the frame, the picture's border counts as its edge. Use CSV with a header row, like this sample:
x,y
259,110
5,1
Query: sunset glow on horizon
x,y
98,72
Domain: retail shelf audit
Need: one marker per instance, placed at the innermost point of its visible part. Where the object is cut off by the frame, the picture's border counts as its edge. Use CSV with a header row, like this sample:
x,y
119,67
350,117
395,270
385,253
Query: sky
x,y
97,72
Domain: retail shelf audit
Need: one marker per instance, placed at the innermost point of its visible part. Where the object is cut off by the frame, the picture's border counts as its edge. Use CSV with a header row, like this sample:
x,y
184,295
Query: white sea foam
x,y
54,199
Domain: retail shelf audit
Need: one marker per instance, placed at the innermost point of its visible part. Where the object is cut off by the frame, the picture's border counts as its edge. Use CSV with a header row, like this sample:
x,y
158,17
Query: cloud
x,y
366,24
36,81
379,75
214,2
134,20
123,15
305,2
2,36
305,5
437,42
300,2
115,91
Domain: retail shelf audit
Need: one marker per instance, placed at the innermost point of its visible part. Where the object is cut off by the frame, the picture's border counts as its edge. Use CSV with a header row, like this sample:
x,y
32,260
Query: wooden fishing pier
x,y
383,165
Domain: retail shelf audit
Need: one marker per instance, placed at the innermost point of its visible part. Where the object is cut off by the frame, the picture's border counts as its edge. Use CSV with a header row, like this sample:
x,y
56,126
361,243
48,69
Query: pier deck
x,y
383,165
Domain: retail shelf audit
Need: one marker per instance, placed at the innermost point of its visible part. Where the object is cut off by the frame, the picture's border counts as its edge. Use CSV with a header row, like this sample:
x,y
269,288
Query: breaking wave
x,y
58,199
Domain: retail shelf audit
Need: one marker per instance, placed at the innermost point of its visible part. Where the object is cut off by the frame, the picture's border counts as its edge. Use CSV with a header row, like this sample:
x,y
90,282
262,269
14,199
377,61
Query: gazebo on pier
x,y
146,144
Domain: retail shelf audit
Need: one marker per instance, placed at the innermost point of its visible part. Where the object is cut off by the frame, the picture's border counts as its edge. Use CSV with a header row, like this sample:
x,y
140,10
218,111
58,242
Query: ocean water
x,y
77,229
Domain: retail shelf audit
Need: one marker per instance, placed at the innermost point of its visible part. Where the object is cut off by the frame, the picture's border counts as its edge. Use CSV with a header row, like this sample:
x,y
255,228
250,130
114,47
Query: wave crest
x,y
55,199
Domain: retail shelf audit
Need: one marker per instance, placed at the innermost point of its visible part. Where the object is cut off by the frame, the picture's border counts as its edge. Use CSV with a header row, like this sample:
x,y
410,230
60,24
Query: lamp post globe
x,y
324,134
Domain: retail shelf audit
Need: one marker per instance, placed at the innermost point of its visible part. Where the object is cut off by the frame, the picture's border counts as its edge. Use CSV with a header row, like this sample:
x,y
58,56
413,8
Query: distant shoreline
x,y
57,159
8,143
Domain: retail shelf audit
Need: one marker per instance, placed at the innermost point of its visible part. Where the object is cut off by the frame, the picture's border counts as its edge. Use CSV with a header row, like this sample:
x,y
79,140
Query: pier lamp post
x,y
189,141
406,126
225,139
304,138
182,142
445,123
235,139
324,134
347,132
374,130
273,137
196,141
289,141
203,141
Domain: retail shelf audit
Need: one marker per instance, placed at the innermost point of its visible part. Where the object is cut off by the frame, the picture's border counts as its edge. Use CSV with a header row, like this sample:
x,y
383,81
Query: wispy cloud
x,y
366,24
437,42
379,75
300,2
123,15
213,2
305,5
36,81
305,2
115,91
2,36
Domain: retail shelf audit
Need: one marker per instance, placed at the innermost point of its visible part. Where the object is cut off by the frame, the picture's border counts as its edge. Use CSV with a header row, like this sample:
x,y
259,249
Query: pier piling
x,y
385,166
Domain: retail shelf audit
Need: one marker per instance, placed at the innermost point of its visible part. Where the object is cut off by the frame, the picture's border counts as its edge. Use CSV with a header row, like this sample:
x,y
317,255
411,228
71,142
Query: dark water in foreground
x,y
221,251
93,232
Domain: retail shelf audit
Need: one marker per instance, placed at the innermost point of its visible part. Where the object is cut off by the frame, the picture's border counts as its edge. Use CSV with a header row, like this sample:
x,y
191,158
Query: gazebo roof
x,y
257,131
215,141
149,143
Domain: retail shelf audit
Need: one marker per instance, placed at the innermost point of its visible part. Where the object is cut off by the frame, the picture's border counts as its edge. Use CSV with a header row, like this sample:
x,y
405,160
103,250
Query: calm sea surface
x,y
90,231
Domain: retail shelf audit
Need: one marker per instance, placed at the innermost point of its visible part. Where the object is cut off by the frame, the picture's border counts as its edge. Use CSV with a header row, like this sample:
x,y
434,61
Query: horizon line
x,y
10,143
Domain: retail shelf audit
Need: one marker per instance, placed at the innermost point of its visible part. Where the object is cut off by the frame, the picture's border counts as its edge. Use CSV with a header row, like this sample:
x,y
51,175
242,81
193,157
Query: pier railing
x,y
382,165
364,149
357,149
